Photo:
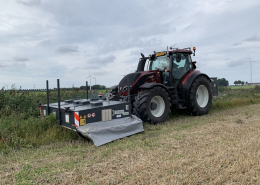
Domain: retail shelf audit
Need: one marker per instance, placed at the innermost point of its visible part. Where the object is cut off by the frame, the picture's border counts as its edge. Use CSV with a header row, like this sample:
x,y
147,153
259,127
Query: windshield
x,y
160,63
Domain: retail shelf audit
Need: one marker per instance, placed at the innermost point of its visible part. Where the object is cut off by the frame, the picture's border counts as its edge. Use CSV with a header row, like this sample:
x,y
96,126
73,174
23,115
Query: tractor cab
x,y
173,65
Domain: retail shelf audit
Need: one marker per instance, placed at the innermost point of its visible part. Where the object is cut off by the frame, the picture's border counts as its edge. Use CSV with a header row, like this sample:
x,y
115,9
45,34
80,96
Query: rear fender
x,y
152,85
186,83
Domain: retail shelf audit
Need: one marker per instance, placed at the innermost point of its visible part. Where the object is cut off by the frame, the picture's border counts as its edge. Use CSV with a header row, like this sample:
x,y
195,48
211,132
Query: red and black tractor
x,y
171,80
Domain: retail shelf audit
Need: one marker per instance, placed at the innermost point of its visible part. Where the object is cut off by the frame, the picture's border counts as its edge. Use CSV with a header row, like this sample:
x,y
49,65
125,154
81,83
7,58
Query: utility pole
x,y
34,86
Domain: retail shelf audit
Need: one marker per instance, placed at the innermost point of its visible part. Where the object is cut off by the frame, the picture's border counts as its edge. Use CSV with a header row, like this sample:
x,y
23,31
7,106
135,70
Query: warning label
x,y
93,115
82,122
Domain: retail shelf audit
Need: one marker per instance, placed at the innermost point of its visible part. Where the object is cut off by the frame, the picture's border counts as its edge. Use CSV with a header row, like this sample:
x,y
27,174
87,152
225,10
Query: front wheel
x,y
200,97
152,105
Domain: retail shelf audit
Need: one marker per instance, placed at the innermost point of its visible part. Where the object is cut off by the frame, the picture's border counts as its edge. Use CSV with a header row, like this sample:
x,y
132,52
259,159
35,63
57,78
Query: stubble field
x,y
219,148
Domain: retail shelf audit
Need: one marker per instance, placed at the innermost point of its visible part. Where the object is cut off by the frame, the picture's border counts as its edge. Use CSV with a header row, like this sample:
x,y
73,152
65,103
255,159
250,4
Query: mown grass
x,y
213,149
20,126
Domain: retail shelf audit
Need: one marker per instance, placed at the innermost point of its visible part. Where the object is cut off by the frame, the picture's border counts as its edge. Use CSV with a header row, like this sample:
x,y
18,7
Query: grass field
x,y
242,87
219,148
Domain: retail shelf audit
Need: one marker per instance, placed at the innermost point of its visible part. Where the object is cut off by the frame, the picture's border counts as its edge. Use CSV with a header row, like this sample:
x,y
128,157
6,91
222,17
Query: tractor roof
x,y
173,50
185,50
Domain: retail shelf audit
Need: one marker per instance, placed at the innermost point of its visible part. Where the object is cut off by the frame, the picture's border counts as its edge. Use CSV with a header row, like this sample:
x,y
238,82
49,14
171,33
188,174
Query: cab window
x,y
181,67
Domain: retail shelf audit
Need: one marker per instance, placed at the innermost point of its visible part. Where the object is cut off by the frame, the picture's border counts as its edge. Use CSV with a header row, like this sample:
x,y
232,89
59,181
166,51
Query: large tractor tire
x,y
200,97
152,105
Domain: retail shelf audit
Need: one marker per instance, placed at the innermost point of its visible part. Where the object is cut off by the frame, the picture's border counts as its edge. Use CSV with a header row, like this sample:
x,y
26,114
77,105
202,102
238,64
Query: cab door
x,y
181,64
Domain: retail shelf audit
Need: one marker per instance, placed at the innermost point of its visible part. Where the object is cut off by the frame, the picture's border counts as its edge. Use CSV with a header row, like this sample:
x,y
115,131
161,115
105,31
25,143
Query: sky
x,y
68,40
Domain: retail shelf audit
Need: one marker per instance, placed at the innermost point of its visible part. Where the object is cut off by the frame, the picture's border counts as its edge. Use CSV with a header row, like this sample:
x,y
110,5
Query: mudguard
x,y
151,85
186,83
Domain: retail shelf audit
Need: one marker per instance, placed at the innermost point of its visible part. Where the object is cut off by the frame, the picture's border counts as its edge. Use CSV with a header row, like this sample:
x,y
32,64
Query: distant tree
x,y
97,87
239,82
84,87
223,82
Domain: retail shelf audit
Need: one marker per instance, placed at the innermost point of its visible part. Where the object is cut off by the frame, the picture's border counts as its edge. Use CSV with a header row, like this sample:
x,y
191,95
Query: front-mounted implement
x,y
102,121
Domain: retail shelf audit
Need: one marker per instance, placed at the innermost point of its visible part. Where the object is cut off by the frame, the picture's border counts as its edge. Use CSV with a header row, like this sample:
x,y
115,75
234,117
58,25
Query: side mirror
x,y
194,65
178,57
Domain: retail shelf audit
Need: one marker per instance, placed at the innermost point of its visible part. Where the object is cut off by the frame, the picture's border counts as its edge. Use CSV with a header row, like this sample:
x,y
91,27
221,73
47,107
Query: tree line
x,y
94,87
224,82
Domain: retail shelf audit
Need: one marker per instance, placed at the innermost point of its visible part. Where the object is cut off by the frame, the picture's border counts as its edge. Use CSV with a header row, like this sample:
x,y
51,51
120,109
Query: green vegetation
x,y
21,127
19,122
239,82
222,82
242,87
232,97
94,87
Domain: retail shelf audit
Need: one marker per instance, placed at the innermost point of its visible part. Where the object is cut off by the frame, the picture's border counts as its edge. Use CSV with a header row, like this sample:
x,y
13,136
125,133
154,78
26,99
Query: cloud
x,y
14,62
99,62
238,62
253,39
29,2
249,40
107,37
45,43
20,59
68,49
100,73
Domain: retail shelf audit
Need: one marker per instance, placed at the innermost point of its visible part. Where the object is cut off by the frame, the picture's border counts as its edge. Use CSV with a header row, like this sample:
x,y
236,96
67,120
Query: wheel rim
x,y
160,106
202,96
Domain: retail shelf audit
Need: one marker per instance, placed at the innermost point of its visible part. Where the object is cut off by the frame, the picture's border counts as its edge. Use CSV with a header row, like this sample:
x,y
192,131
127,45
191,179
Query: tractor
x,y
170,80
162,81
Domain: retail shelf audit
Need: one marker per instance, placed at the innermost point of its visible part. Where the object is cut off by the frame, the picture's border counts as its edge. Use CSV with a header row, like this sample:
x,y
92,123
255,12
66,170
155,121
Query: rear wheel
x,y
152,105
200,97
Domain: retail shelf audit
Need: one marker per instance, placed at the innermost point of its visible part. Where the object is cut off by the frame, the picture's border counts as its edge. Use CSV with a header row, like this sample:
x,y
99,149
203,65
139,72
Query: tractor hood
x,y
130,78
136,80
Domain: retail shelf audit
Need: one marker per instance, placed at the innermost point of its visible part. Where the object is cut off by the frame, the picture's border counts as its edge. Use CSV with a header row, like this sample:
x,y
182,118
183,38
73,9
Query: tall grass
x,y
27,103
16,132
230,97
19,122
